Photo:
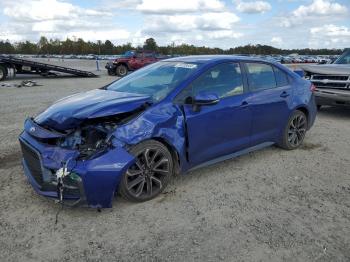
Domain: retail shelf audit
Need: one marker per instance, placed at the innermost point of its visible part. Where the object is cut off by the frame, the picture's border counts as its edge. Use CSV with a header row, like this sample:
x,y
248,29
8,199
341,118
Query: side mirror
x,y
202,99
206,99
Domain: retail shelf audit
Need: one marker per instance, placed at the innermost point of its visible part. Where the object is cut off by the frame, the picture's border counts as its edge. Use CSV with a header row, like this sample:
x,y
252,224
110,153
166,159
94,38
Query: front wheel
x,y
295,130
121,70
150,173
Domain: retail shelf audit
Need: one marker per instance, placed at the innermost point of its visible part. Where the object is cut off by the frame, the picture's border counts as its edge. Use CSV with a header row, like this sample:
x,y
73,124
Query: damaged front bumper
x,y
90,182
111,67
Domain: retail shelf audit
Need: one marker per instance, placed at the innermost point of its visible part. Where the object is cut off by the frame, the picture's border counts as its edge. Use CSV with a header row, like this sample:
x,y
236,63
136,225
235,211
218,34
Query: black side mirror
x,y
202,99
206,99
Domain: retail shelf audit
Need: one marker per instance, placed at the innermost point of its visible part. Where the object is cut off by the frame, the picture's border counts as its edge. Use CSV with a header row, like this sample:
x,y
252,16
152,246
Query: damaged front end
x,y
77,149
70,152
79,166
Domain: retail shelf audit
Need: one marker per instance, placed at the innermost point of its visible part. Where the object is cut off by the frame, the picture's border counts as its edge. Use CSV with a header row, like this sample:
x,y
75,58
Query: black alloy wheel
x,y
295,131
150,173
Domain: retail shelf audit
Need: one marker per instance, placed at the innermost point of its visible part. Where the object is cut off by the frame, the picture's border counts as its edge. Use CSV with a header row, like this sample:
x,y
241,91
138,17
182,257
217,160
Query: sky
x,y
215,23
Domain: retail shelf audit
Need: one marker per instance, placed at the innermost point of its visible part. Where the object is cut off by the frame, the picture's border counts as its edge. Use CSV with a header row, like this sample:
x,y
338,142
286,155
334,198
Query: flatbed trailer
x,y
23,66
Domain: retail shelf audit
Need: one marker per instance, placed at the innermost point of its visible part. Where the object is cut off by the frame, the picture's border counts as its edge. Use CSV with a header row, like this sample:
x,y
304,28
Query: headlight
x,y
91,141
89,151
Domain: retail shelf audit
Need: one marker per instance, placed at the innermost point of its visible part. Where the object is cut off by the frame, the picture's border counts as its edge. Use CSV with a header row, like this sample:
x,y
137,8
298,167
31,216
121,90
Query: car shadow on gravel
x,y
335,112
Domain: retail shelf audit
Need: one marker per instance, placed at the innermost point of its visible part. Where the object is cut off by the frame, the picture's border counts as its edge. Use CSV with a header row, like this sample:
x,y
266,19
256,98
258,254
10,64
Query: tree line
x,y
80,47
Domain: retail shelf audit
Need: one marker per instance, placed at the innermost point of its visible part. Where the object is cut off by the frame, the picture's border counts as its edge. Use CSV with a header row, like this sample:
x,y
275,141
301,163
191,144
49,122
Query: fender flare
x,y
123,63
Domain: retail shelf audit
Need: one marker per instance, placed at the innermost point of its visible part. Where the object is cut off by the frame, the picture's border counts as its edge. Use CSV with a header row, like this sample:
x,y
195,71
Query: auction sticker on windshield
x,y
186,65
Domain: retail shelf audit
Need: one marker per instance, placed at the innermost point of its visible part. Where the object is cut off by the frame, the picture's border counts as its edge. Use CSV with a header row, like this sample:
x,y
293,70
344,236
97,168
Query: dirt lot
x,y
271,205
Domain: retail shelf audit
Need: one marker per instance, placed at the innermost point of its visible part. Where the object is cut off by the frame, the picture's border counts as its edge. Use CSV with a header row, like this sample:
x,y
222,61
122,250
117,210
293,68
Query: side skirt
x,y
233,155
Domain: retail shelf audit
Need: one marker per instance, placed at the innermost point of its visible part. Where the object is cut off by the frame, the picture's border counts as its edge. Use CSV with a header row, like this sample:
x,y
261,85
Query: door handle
x,y
284,94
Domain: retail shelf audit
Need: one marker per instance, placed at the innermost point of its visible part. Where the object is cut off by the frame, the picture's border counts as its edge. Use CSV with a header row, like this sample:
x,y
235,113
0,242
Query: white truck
x,y
332,81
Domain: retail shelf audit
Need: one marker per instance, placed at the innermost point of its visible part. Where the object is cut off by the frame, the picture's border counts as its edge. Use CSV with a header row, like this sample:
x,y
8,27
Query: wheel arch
x,y
174,153
122,63
304,110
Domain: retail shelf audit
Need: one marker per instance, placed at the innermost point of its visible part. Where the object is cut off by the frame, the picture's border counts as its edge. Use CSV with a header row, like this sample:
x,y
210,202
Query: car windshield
x,y
156,80
343,59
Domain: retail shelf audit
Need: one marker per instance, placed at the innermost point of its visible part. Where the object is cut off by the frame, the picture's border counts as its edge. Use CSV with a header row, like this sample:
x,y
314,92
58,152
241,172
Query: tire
x,y
150,174
3,73
294,131
319,107
121,70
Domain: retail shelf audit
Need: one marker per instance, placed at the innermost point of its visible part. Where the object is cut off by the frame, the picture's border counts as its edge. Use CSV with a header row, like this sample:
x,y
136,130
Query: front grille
x,y
331,81
331,85
32,159
330,77
46,178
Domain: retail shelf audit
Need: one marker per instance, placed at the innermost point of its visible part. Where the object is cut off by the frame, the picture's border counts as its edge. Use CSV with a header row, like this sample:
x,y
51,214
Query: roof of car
x,y
213,58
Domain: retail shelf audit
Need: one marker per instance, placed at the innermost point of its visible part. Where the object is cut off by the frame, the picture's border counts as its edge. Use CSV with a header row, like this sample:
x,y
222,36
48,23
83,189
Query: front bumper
x,y
95,181
332,97
110,67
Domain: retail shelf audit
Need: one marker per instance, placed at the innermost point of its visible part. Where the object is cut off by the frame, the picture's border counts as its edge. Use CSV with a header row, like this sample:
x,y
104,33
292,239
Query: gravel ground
x,y
270,205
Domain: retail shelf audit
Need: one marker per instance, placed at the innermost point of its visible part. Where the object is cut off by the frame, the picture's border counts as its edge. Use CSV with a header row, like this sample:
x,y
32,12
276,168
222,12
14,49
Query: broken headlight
x,y
91,141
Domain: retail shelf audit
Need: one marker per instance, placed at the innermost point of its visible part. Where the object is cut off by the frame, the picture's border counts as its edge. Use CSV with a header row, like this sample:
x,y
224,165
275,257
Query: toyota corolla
x,y
170,117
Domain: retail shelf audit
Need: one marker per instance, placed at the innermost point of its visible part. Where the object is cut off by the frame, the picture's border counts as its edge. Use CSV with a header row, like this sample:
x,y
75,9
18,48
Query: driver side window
x,y
224,80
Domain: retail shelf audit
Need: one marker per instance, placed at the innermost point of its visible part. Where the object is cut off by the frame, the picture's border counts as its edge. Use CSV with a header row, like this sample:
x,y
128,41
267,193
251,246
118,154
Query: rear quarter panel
x,y
304,98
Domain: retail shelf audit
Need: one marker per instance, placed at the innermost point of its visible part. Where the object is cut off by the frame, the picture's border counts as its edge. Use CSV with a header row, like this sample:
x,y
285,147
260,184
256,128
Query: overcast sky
x,y
214,23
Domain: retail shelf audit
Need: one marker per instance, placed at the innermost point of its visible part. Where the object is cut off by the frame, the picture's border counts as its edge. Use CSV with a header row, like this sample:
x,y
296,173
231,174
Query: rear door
x,y
270,100
223,128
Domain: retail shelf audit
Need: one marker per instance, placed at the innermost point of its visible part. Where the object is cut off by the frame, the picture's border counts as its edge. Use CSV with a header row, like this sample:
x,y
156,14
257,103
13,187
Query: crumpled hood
x,y
69,112
328,69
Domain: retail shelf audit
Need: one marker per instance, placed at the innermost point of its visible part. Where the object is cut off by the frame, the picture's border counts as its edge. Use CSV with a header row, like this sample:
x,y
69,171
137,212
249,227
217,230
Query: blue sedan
x,y
170,117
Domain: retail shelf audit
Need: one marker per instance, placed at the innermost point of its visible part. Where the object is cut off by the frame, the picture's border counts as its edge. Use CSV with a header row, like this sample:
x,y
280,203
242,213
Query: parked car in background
x,y
332,81
286,60
122,65
170,117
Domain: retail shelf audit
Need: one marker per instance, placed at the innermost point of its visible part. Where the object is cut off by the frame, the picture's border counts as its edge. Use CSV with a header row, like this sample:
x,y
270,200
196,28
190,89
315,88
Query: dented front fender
x,y
164,121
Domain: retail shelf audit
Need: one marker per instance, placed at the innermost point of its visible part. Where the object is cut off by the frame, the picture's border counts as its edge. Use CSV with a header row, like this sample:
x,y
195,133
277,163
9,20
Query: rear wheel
x,y
3,73
150,173
121,70
295,130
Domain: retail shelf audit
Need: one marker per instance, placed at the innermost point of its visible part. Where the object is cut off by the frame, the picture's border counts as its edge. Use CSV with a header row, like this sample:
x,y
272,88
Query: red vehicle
x,y
122,65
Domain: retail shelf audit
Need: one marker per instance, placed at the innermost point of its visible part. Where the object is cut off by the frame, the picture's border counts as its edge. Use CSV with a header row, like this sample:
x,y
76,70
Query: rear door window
x,y
260,76
281,77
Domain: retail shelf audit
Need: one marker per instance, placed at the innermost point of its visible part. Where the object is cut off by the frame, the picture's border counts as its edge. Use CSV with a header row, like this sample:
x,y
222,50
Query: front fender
x,y
123,63
164,121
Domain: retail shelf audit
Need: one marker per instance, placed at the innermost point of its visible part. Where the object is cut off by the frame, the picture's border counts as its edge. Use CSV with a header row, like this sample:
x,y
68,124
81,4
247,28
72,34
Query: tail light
x,y
312,88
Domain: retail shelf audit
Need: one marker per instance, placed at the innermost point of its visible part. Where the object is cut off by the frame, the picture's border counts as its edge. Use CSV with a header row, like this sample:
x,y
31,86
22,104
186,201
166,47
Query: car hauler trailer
x,y
23,66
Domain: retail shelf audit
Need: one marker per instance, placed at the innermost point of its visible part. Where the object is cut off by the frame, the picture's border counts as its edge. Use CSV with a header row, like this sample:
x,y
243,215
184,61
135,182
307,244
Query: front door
x,y
223,128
